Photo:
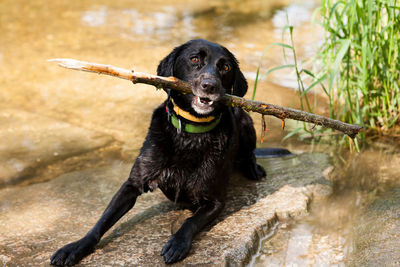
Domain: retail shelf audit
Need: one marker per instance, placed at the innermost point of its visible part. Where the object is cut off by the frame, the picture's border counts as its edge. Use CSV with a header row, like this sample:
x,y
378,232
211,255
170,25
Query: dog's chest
x,y
193,165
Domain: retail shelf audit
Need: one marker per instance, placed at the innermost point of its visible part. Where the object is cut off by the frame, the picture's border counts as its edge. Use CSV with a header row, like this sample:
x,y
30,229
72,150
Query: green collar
x,y
192,128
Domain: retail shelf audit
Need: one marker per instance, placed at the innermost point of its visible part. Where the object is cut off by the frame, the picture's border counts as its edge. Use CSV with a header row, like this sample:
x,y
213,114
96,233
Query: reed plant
x,y
357,66
361,61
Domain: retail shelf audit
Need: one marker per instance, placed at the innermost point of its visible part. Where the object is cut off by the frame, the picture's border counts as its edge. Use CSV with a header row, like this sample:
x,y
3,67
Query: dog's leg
x,y
121,203
247,144
179,244
251,169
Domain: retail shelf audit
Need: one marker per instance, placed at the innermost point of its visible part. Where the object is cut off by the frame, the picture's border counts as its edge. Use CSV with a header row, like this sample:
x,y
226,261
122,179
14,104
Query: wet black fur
x,y
191,169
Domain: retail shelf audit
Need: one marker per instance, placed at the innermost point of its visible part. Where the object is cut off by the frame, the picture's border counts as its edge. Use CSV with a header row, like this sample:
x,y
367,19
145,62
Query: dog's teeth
x,y
204,100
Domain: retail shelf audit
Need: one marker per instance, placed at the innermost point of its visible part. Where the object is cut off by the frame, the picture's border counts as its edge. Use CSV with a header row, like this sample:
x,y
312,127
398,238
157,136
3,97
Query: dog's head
x,y
212,71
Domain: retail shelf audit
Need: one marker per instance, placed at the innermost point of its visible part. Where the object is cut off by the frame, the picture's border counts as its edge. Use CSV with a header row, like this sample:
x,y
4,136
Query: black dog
x,y
193,143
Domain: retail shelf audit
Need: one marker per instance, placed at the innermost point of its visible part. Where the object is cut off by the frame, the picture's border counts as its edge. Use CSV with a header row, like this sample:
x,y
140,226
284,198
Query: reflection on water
x,y
136,25
219,19
96,17
295,15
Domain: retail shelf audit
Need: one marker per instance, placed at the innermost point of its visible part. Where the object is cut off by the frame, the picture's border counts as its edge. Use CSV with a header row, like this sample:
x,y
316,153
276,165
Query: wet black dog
x,y
193,143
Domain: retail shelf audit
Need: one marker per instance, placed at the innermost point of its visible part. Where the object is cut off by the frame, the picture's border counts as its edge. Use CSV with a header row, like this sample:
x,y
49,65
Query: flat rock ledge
x,y
31,141
38,219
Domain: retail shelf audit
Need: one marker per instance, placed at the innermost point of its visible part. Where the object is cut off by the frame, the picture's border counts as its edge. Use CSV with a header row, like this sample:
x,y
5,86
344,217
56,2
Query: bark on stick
x,y
229,100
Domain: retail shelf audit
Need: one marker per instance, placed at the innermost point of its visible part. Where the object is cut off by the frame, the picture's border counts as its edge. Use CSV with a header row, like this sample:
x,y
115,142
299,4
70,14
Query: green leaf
x,y
309,73
255,83
278,68
345,44
315,83
295,131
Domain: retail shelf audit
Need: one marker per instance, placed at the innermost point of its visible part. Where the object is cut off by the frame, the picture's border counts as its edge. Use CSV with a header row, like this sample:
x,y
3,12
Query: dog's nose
x,y
209,86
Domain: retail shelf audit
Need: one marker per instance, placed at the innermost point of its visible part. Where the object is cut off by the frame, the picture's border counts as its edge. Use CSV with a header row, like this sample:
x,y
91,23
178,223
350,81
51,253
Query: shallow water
x,y
130,34
137,34
133,34
330,235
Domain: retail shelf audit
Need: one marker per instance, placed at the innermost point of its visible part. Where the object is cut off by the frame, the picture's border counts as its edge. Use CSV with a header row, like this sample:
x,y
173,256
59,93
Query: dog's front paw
x,y
253,171
175,249
72,253
260,172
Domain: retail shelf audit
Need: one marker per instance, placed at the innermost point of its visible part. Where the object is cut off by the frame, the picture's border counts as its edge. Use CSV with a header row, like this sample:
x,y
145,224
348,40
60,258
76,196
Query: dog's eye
x,y
226,67
195,60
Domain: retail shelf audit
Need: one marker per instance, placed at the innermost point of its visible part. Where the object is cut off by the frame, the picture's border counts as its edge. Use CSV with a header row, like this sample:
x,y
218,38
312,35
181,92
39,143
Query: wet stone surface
x,y
38,219
377,234
30,141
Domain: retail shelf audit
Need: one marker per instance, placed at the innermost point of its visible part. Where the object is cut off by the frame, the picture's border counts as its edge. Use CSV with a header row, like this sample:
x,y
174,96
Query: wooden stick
x,y
229,100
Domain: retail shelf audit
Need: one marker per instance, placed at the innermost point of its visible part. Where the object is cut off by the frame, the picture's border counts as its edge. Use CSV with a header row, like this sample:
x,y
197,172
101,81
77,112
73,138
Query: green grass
x,y
360,56
358,65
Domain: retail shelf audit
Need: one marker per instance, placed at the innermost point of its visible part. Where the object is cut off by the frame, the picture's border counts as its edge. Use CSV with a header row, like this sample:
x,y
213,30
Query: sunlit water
x,y
138,34
330,234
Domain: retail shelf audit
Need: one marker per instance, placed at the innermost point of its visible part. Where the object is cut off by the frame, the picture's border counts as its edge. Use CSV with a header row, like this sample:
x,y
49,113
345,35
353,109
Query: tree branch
x,y
229,100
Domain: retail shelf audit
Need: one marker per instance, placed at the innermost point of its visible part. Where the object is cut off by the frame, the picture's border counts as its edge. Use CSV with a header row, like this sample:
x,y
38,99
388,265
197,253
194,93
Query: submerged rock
x,y
30,141
38,219
377,234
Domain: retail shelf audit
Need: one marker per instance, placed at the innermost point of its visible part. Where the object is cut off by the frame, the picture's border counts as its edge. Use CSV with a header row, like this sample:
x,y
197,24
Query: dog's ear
x,y
239,86
166,66
239,83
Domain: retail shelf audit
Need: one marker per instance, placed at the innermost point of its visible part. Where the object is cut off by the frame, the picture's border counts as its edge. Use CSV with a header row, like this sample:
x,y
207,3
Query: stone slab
x,y
38,219
30,141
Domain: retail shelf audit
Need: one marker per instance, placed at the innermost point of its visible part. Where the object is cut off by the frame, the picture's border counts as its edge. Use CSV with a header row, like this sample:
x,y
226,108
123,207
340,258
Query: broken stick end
x,y
69,63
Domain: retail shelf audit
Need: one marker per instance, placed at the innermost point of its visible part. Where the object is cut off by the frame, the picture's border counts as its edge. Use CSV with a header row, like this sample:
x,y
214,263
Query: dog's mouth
x,y
203,105
205,101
